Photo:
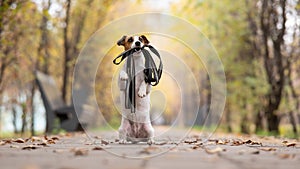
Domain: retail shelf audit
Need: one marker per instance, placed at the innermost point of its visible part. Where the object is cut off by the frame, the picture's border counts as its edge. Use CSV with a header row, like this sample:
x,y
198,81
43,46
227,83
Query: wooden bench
x,y
55,106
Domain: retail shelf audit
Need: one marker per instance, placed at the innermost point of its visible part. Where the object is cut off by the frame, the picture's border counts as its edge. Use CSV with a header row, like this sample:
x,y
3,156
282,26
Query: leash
x,y
151,72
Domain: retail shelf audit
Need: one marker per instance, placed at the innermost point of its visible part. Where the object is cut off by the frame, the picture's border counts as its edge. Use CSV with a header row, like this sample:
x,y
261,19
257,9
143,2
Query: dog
x,y
135,127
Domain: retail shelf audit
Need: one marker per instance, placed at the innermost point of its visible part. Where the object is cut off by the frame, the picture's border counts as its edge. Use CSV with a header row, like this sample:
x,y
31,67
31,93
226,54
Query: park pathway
x,y
100,150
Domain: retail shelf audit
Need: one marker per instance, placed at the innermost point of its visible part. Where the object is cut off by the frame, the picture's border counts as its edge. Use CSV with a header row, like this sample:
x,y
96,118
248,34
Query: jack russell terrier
x,y
135,127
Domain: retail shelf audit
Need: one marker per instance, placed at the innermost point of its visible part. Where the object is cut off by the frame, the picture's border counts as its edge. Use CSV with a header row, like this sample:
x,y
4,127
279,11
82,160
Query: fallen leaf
x,y
98,148
190,141
80,152
19,140
2,143
104,142
34,138
237,143
255,152
196,146
8,141
42,144
286,156
252,142
50,141
54,138
248,142
221,142
30,147
97,137
45,137
291,144
268,149
284,142
215,150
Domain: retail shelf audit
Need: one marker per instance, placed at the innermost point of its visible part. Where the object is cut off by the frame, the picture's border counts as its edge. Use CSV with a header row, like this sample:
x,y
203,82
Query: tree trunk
x,y
24,117
294,122
259,122
66,52
32,107
273,61
14,120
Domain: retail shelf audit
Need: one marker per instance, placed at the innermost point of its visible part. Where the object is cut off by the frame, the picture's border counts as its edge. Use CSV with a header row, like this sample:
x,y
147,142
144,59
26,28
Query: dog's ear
x,y
146,41
121,41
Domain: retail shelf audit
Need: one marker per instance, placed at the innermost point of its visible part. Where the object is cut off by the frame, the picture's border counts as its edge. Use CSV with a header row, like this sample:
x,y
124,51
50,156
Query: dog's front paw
x,y
142,92
123,75
122,141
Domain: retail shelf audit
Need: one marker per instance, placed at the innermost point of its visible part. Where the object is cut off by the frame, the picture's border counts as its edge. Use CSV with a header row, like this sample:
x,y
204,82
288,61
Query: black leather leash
x,y
151,72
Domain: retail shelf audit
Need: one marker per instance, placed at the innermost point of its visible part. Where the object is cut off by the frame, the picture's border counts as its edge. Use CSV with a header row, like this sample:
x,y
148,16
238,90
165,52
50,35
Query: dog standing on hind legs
x,y
135,127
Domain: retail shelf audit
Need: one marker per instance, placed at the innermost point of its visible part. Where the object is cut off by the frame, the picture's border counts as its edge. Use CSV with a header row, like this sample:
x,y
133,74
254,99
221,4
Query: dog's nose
x,y
137,43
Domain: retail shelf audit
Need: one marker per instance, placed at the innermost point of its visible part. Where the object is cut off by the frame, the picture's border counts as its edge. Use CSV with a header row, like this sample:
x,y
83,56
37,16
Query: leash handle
x,y
124,55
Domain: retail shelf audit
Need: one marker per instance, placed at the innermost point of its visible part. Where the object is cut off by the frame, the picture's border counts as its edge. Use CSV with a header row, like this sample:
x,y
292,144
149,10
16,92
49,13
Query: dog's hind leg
x,y
123,131
150,133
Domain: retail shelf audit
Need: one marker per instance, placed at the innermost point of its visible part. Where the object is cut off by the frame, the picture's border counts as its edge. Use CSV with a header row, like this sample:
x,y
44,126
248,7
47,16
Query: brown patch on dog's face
x,y
127,41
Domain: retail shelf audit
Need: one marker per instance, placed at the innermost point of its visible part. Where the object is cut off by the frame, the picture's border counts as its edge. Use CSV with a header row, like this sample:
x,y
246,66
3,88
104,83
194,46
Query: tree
x,y
273,26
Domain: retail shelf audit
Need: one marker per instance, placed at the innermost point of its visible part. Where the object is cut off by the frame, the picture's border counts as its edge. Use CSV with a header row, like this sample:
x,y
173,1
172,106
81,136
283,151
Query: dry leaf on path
x,y
19,140
255,152
252,142
268,149
197,146
98,148
237,143
34,138
190,141
286,156
291,144
30,147
2,143
80,152
221,142
42,144
54,138
214,150
50,141
104,142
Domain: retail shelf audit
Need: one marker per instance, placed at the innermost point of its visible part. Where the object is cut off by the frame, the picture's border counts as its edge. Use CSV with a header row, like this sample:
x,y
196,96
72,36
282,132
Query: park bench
x,y
55,107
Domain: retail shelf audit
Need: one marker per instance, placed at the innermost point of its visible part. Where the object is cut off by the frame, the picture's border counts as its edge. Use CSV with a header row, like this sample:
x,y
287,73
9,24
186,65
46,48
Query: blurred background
x,y
257,41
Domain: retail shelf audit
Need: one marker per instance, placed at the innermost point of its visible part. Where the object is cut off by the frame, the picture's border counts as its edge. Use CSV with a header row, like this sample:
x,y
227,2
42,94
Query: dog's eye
x,y
130,39
140,39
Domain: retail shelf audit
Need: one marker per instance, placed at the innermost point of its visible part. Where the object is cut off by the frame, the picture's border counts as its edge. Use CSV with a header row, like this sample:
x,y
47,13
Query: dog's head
x,y
132,41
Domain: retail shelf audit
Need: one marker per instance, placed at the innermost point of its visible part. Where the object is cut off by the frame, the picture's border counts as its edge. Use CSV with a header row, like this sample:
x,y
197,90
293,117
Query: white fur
x,y
136,126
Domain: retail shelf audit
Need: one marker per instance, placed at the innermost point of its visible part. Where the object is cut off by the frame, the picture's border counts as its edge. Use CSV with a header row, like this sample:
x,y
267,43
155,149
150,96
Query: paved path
x,y
101,150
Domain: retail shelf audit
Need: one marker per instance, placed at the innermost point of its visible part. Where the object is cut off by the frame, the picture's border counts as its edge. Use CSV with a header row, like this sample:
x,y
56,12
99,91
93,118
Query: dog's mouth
x,y
137,49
